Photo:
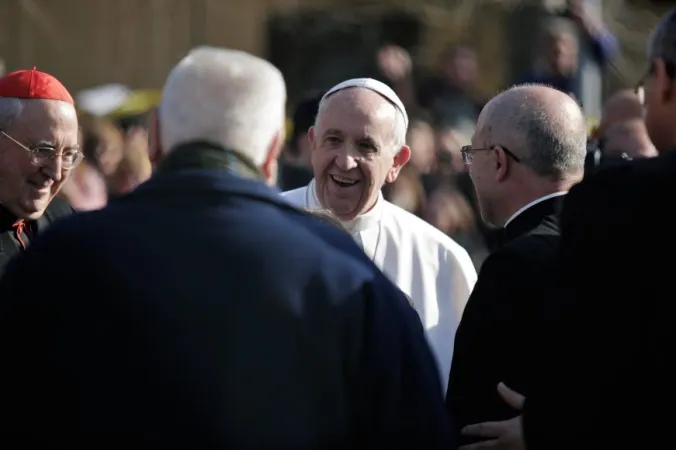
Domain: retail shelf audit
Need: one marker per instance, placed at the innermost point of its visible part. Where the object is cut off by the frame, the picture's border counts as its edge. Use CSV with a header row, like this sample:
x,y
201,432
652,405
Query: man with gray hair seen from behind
x,y
527,151
607,378
203,311
359,144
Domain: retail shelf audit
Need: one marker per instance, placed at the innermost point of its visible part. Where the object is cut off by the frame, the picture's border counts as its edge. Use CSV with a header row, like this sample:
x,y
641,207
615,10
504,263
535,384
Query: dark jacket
x,y
608,375
207,312
12,243
500,336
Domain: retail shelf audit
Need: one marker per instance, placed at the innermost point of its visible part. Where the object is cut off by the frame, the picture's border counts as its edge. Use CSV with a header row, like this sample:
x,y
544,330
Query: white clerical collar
x,y
533,203
359,223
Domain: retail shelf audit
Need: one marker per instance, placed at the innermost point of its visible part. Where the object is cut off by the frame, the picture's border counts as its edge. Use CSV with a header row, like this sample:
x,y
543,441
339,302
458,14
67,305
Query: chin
x,y
342,212
34,210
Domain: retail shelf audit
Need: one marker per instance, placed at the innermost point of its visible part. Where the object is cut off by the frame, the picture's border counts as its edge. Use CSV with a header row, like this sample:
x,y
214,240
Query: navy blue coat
x,y
203,311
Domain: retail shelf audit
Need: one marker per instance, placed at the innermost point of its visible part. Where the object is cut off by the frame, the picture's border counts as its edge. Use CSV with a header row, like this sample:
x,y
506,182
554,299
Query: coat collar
x,y
546,211
205,155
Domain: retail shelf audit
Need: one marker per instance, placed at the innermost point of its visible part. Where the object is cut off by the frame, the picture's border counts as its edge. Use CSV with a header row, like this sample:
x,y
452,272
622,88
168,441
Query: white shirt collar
x,y
359,223
533,203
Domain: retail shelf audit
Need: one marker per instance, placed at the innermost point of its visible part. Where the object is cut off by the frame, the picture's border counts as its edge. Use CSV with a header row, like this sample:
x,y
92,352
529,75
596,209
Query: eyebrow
x,y
52,145
332,131
368,139
43,143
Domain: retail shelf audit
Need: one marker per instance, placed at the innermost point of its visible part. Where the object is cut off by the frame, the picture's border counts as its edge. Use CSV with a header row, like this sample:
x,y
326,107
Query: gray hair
x,y
552,134
662,42
398,139
226,97
10,110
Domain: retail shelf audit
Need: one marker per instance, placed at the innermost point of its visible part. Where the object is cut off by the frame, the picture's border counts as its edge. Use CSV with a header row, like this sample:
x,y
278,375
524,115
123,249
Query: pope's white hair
x,y
225,97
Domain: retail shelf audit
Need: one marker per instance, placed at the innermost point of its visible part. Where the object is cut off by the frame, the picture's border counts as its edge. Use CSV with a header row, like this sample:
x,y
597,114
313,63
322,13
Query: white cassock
x,y
428,266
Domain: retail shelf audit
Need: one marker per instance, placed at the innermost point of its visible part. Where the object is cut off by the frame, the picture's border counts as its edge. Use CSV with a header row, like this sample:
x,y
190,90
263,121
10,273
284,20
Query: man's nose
x,y
54,168
346,160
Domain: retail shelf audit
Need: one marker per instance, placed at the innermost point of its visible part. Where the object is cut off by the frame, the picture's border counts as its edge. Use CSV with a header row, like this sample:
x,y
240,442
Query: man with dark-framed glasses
x,y
527,151
607,370
38,149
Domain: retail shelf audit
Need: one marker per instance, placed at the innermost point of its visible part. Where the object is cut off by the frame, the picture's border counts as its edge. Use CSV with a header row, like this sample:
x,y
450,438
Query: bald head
x,y
544,127
621,106
630,137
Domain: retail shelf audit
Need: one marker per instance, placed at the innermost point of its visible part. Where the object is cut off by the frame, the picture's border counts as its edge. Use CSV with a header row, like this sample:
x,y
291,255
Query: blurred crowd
x,y
443,108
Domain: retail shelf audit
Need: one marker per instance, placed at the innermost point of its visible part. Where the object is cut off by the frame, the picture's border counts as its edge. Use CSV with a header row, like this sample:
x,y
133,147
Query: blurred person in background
x,y
136,110
38,150
622,106
214,314
528,151
135,167
358,145
295,168
451,169
407,191
103,144
420,137
630,138
449,95
86,189
560,49
448,210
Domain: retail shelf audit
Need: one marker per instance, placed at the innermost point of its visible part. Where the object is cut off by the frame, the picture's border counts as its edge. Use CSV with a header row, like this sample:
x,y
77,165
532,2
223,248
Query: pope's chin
x,y
343,201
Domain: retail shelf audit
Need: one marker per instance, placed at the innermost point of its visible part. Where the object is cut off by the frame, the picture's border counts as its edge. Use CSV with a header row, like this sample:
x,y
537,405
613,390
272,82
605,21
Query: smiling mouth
x,y
342,181
39,187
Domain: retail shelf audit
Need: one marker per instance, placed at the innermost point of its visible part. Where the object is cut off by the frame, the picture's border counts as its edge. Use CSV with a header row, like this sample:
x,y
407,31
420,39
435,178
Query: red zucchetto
x,y
33,84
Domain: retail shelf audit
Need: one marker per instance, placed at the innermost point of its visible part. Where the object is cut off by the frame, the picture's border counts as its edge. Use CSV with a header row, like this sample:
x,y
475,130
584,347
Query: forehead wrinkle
x,y
355,106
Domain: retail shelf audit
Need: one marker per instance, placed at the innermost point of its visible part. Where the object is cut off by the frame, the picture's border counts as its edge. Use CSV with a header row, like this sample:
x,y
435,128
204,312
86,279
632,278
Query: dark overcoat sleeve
x,y
487,341
592,334
399,401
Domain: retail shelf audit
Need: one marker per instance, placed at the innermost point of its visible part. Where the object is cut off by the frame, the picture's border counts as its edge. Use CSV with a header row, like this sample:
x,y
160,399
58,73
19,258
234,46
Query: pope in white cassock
x,y
359,144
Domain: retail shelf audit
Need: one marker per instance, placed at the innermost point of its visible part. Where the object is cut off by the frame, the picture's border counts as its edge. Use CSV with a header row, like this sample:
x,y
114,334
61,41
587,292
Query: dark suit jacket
x,y
499,337
610,381
203,311
10,245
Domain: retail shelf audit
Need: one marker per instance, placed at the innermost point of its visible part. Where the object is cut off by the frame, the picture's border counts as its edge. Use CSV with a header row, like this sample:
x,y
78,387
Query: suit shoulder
x,y
507,259
536,247
58,208
625,177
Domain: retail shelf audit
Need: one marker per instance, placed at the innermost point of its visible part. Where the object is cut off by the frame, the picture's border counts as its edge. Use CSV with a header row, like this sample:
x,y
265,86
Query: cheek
x,y
14,172
320,159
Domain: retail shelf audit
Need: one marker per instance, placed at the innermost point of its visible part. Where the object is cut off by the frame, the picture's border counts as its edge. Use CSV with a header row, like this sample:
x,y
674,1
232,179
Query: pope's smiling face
x,y
354,150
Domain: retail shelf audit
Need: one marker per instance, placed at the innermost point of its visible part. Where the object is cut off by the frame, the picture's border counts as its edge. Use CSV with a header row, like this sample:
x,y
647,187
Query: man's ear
x,y
155,150
501,161
400,160
311,137
662,82
270,166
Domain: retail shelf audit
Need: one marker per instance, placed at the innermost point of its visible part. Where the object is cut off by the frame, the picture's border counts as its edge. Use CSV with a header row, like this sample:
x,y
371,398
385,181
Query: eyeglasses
x,y
468,153
41,155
